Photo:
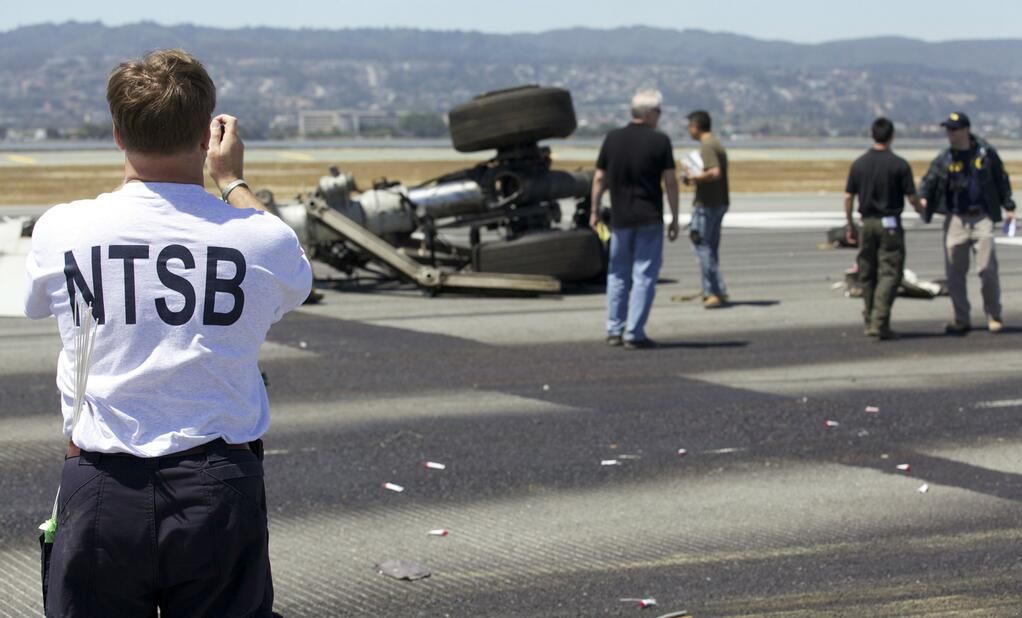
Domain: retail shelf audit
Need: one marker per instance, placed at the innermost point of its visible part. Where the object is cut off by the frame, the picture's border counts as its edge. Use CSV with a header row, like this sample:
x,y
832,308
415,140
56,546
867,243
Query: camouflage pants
x,y
881,263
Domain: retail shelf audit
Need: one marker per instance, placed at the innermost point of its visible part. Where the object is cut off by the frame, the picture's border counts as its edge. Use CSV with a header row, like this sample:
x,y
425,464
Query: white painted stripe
x,y
785,220
306,416
1001,403
872,375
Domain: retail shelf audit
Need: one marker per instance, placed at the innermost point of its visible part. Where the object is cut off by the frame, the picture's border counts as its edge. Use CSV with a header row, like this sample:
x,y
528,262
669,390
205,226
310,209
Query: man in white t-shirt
x,y
162,504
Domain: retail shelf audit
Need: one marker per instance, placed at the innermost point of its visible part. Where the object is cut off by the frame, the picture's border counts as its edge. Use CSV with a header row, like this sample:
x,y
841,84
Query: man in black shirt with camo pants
x,y
881,180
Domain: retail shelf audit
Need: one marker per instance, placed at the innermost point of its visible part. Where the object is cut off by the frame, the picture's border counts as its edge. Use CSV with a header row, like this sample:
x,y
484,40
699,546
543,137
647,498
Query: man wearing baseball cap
x,y
967,183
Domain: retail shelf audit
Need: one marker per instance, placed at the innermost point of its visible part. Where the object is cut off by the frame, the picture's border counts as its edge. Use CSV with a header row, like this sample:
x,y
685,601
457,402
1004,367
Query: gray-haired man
x,y
636,164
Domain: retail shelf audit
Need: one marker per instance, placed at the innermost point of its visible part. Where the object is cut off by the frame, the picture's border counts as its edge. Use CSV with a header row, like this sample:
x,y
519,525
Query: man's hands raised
x,y
225,158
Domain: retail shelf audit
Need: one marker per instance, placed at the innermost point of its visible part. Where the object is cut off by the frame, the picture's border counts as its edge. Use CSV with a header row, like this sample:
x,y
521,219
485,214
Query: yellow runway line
x,y
22,159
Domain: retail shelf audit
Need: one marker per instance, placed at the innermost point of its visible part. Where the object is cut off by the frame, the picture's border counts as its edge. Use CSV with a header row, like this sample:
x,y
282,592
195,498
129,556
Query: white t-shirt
x,y
187,288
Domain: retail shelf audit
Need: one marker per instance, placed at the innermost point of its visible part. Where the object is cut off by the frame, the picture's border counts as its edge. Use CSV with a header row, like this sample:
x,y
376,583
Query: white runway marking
x,y
1001,403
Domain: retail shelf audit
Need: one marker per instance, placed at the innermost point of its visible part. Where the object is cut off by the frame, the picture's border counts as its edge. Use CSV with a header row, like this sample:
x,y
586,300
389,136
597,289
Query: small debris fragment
x,y
546,387
432,465
439,532
830,423
923,488
303,344
872,410
725,451
400,569
904,467
804,400
862,433
610,462
641,603
885,456
682,452
629,457
393,487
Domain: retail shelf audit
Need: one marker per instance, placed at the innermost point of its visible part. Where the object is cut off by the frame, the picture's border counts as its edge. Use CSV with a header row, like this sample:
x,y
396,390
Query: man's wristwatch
x,y
231,187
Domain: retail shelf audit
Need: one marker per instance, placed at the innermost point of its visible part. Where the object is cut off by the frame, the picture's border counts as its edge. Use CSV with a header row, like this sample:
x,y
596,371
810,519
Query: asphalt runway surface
x,y
770,513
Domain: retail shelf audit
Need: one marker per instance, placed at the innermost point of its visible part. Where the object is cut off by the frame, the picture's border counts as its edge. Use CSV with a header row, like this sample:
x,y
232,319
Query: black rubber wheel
x,y
512,117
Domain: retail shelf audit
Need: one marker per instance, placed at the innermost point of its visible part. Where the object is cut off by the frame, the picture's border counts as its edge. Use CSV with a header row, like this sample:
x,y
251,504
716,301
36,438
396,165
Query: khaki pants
x,y
964,236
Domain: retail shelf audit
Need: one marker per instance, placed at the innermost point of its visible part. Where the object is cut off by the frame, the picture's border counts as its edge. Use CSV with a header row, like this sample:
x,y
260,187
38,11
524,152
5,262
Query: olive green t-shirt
x,y
713,193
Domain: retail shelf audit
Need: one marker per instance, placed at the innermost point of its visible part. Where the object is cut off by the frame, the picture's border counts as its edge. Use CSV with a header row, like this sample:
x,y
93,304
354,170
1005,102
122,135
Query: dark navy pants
x,y
184,534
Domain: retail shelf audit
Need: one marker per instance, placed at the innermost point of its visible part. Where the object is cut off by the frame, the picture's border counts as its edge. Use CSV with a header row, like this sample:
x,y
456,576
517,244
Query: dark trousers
x,y
881,265
184,534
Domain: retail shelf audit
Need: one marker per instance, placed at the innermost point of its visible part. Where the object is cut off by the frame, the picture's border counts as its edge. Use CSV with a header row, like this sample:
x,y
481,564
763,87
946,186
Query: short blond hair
x,y
646,101
162,103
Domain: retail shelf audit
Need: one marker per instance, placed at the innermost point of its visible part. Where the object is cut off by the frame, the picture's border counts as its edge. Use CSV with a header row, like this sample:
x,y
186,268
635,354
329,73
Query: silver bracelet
x,y
231,187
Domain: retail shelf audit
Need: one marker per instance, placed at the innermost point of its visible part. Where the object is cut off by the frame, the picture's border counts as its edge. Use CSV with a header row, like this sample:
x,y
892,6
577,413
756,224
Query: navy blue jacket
x,y
992,176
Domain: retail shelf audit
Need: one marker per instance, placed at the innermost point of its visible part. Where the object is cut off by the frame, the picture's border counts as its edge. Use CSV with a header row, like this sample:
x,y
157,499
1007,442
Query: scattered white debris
x,y
872,410
393,487
885,456
682,452
610,462
629,457
923,488
432,465
303,344
837,285
829,423
546,387
904,467
804,400
439,532
862,433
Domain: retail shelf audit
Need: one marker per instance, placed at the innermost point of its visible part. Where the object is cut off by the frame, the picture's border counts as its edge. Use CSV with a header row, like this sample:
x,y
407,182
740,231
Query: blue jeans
x,y
707,221
635,258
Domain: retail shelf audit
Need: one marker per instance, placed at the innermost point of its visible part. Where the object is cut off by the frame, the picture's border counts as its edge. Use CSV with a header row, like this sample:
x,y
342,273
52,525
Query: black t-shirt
x,y
634,159
881,180
964,188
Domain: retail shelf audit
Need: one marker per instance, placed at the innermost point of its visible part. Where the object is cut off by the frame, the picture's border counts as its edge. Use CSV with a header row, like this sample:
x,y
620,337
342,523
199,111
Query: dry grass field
x,y
50,185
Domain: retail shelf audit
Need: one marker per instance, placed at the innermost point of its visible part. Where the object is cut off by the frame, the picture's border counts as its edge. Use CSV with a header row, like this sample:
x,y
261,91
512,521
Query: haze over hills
x,y
53,76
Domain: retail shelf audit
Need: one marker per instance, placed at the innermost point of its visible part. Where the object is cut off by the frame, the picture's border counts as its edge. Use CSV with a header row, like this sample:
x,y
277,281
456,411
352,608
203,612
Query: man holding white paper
x,y
706,170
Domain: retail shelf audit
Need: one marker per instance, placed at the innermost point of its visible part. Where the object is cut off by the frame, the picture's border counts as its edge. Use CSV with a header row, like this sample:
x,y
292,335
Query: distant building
x,y
312,123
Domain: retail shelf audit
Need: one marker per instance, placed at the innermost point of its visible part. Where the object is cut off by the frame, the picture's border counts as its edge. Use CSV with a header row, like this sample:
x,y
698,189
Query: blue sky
x,y
793,20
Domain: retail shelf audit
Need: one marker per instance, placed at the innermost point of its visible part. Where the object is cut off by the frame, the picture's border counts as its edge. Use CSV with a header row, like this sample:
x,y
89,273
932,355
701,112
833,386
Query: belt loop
x,y
216,450
256,446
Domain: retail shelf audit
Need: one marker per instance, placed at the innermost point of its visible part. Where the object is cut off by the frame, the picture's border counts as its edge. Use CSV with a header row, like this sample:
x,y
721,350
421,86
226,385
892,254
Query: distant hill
x,y
53,75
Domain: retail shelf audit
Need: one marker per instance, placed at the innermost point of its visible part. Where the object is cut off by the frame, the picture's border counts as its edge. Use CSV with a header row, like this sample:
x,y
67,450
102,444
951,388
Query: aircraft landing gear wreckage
x,y
515,196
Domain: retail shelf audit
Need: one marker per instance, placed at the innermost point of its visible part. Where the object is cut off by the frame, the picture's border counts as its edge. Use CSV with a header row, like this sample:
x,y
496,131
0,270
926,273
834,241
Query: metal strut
x,y
428,277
